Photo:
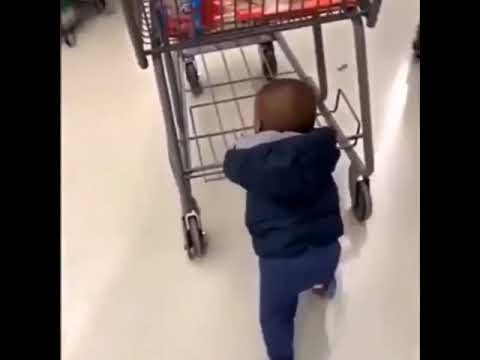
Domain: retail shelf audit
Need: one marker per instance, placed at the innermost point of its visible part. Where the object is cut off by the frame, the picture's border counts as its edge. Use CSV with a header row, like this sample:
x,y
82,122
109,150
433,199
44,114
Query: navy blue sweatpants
x,y
281,280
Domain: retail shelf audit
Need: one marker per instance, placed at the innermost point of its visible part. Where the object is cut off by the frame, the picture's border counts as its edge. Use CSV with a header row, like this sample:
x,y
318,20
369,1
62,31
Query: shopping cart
x,y
179,35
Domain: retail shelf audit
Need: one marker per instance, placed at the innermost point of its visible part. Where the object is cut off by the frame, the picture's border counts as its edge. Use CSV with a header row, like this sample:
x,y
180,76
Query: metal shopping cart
x,y
179,35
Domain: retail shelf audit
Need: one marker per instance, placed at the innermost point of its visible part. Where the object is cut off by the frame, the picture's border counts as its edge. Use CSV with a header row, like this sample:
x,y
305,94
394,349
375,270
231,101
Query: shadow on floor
x,y
311,339
318,320
355,235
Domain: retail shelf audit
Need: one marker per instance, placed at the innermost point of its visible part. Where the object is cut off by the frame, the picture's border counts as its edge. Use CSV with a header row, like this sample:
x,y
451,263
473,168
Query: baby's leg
x,y
278,305
281,280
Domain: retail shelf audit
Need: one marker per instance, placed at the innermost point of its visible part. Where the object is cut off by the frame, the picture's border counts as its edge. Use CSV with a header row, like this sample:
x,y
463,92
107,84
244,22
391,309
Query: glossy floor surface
x,y
128,291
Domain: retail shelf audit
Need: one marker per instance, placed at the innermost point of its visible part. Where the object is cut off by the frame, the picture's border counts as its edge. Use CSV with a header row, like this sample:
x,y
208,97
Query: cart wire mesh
x,y
224,112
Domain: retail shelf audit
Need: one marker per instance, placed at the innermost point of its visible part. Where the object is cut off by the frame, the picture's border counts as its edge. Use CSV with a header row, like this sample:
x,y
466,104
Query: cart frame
x,y
172,59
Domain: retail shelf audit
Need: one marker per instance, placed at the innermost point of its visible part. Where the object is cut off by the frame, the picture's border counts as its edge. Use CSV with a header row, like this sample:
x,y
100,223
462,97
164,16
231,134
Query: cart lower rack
x,y
182,35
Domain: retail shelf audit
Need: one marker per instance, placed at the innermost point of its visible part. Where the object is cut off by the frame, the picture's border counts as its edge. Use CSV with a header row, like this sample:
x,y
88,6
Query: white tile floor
x,y
128,291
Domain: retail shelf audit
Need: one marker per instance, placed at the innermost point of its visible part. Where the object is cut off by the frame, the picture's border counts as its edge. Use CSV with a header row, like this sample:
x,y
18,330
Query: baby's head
x,y
285,105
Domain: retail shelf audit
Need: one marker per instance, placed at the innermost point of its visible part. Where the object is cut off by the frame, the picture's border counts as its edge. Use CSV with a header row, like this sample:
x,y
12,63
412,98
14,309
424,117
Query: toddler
x,y
292,210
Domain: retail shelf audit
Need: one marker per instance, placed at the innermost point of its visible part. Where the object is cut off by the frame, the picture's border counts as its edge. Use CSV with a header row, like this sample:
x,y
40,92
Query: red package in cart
x,y
270,9
176,16
187,18
213,15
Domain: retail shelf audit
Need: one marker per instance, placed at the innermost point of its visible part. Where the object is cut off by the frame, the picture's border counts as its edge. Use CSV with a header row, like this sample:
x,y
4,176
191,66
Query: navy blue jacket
x,y
292,199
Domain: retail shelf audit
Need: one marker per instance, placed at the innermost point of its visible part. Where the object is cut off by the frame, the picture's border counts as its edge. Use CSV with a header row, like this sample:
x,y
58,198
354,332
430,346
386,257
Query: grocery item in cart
x,y
189,18
183,17
281,9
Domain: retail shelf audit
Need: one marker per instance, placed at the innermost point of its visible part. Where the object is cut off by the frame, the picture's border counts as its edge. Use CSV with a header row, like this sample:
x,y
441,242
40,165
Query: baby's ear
x,y
257,124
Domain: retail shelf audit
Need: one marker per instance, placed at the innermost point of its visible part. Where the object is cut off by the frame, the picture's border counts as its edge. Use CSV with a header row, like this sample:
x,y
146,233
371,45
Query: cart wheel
x,y
268,59
70,39
193,79
100,5
195,245
360,196
362,208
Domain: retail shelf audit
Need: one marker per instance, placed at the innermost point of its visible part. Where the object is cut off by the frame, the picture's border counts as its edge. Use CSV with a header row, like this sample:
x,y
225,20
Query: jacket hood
x,y
283,165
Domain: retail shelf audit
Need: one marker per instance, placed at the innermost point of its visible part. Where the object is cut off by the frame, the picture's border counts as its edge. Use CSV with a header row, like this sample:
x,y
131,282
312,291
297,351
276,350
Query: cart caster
x,y
268,59
70,39
100,5
193,79
195,243
360,196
